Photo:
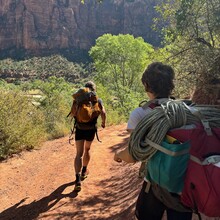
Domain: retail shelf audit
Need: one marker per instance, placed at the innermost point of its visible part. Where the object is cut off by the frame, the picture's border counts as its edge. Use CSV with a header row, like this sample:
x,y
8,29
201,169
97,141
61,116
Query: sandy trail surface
x,y
39,184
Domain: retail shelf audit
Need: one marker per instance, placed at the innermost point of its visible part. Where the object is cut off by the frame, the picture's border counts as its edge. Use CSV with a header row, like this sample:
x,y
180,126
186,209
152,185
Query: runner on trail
x,y
158,84
84,136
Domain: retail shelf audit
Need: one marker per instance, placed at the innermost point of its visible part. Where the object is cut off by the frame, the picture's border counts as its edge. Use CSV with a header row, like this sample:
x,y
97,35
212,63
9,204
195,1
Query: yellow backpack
x,y
85,107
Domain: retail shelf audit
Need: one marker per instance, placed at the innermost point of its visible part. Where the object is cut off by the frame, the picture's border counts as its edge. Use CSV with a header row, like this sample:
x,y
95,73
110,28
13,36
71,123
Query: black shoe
x,y
84,175
77,187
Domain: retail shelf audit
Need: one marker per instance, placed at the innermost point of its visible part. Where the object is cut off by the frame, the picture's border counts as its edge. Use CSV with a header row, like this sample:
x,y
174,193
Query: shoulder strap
x,y
153,103
164,150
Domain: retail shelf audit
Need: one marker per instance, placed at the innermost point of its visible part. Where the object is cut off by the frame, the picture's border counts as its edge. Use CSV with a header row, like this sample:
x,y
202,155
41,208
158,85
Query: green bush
x,y
21,123
32,112
55,104
118,108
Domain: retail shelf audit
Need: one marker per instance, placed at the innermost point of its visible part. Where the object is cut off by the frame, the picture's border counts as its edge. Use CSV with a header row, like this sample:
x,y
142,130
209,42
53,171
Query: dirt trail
x,y
39,184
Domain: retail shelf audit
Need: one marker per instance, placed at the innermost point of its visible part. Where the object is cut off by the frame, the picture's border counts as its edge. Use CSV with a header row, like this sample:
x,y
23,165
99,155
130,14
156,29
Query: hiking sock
x,y
77,187
78,178
84,170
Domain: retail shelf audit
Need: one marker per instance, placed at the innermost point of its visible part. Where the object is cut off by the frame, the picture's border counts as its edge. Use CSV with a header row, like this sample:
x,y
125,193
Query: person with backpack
x,y
158,83
86,109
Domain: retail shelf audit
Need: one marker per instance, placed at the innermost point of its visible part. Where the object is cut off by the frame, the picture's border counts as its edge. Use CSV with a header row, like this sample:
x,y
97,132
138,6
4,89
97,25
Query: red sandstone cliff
x,y
34,26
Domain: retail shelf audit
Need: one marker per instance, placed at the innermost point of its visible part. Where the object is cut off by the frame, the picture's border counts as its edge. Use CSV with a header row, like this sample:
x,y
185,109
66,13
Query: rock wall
x,y
46,25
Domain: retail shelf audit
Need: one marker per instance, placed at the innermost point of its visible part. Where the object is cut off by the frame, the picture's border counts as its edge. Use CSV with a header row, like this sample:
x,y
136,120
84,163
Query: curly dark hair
x,y
91,85
158,79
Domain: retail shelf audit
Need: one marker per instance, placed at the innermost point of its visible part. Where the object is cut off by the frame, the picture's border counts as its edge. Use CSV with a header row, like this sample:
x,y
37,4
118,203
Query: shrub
x,y
21,123
55,104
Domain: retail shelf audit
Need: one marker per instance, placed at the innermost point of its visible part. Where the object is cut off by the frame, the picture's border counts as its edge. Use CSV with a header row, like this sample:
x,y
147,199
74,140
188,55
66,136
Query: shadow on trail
x,y
117,198
34,209
115,201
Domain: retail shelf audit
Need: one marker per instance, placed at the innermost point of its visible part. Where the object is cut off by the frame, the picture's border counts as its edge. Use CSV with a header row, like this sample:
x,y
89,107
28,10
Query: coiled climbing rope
x,y
155,125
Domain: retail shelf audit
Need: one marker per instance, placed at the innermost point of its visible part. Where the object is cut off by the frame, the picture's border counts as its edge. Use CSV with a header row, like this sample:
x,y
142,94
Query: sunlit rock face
x,y
36,26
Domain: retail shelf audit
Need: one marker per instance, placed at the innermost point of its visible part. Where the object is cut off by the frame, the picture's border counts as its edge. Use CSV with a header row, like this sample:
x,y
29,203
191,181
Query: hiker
x,y
158,83
84,136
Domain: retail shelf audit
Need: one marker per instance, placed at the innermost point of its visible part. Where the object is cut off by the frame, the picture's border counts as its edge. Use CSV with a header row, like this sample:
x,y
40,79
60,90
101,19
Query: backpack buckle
x,y
206,126
212,160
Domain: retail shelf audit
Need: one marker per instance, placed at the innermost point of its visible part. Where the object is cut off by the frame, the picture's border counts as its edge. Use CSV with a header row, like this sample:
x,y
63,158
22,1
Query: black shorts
x,y
149,207
87,135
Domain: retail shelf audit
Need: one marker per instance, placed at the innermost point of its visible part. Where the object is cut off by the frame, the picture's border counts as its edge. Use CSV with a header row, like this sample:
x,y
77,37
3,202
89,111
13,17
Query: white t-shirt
x,y
136,116
138,113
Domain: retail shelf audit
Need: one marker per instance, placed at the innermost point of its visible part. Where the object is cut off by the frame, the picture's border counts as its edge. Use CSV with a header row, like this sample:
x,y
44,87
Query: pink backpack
x,y
201,190
198,178
192,171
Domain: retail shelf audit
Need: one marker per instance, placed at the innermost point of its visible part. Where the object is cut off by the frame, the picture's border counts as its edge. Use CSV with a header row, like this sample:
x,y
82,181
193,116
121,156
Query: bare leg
x,y
79,154
86,156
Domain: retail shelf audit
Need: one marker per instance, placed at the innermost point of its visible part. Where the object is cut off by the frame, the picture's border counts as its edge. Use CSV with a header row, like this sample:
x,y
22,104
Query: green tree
x,y
119,62
120,59
193,36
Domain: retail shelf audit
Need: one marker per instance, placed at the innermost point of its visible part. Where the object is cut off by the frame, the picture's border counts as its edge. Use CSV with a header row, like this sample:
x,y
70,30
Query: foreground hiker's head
x,y
158,79
91,85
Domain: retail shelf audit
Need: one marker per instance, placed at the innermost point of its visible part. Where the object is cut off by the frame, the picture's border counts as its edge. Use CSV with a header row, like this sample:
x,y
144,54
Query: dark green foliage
x,y
193,39
42,68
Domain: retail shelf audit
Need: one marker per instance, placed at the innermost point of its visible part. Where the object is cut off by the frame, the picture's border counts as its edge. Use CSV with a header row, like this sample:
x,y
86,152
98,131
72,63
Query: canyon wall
x,y
37,27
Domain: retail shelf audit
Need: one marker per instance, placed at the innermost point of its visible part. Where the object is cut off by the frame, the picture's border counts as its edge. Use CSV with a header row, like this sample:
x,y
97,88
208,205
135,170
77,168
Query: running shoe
x,y
84,175
77,187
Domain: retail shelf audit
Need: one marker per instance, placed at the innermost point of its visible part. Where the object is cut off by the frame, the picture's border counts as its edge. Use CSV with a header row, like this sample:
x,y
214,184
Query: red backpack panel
x,y
201,190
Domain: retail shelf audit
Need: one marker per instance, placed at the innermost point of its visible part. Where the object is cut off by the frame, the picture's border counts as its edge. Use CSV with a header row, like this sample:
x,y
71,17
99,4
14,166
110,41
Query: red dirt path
x,y
39,184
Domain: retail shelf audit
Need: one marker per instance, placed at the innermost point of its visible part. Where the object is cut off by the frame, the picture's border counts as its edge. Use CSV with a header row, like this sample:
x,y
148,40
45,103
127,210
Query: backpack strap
x,y
195,207
164,150
209,160
96,133
152,103
68,114
72,130
204,121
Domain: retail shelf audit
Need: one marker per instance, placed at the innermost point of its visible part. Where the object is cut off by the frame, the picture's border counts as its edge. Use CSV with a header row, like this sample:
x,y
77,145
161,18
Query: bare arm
x,y
123,155
103,117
